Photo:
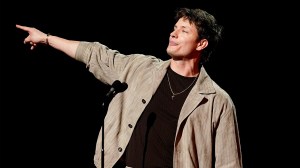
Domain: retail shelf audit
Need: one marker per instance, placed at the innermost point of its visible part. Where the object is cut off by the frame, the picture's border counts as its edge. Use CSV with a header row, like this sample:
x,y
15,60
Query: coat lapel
x,y
202,88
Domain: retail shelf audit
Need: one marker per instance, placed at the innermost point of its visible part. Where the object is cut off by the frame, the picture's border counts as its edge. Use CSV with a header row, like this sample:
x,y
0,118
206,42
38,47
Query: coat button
x,y
129,125
144,101
120,149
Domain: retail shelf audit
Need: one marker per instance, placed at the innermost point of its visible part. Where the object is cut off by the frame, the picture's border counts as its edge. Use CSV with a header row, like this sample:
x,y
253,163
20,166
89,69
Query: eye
x,y
174,28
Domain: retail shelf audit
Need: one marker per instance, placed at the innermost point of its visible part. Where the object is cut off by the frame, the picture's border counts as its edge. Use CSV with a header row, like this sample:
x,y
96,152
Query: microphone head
x,y
116,84
123,87
119,87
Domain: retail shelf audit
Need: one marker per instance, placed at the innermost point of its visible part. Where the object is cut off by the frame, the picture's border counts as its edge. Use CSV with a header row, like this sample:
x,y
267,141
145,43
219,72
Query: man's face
x,y
183,41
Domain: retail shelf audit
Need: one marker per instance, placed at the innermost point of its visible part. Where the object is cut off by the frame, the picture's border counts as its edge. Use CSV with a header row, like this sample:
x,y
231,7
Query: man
x,y
172,114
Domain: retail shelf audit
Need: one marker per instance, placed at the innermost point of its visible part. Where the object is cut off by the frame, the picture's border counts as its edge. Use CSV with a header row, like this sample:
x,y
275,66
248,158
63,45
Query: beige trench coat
x,y
207,131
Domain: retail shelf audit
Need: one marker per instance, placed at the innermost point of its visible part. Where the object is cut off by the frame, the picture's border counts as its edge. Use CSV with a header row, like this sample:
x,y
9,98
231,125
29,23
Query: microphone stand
x,y
117,87
105,104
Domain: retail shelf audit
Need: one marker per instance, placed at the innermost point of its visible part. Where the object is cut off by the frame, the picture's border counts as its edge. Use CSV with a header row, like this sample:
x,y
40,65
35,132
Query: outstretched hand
x,y
35,36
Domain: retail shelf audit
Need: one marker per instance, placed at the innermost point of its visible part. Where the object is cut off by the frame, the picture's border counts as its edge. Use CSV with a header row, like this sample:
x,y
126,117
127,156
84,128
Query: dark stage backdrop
x,y
50,104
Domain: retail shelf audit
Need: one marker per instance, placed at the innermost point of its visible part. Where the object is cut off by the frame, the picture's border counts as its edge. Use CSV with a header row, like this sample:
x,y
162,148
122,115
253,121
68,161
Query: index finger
x,y
22,27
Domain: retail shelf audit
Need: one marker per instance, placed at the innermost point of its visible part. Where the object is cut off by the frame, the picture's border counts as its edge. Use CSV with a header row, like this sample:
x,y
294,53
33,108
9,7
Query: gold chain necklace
x,y
174,94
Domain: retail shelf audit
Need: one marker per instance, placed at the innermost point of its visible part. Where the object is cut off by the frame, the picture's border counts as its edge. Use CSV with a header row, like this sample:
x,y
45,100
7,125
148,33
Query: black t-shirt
x,y
152,141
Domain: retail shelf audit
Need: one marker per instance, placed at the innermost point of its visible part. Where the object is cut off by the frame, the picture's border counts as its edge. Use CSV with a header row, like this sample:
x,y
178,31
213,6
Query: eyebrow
x,y
185,27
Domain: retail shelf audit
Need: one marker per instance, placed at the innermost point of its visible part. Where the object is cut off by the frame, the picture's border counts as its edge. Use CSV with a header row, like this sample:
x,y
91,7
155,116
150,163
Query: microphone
x,y
116,87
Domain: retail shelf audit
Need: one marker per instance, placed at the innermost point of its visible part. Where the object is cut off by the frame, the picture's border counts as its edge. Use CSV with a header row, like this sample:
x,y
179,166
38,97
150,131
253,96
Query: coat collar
x,y
204,84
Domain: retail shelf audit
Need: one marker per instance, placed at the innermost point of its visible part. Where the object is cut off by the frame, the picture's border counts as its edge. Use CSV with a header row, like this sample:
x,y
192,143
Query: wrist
x,y
47,39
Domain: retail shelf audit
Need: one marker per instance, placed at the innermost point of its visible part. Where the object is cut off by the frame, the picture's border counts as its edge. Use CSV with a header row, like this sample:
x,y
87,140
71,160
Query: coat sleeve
x,y
104,63
227,141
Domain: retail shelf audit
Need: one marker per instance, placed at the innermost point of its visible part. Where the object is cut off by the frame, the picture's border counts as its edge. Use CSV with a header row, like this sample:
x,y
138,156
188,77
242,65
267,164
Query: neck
x,y
188,68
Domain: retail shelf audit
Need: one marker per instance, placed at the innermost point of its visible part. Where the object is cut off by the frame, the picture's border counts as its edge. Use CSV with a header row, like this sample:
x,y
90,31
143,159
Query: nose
x,y
173,34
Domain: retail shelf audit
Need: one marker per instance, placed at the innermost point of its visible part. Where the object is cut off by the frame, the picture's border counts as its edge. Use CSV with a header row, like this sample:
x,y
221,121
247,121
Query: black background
x,y
50,103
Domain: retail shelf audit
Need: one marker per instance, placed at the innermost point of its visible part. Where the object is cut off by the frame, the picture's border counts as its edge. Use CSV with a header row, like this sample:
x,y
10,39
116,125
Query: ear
x,y
202,44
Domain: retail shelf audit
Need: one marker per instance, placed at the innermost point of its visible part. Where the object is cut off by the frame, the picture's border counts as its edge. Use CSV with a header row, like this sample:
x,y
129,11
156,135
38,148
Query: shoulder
x,y
219,95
